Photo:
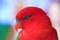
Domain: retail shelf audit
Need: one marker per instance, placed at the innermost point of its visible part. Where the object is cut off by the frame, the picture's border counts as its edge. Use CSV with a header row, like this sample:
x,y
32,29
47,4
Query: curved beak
x,y
17,26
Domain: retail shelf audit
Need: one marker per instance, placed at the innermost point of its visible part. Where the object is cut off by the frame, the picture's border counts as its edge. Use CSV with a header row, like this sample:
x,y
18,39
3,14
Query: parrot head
x,y
35,24
29,16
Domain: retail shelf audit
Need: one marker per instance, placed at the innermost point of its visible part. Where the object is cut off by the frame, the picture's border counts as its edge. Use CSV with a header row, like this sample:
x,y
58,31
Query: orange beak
x,y
17,26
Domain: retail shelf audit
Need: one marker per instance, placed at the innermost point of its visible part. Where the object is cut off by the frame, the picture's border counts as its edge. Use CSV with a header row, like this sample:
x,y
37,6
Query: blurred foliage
x,y
4,30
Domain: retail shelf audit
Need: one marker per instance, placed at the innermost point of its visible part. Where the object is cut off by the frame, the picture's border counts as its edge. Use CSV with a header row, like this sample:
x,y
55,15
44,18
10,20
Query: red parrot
x,y
35,25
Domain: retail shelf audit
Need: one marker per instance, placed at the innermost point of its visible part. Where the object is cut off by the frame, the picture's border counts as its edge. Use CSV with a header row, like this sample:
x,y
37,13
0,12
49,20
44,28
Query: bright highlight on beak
x,y
19,30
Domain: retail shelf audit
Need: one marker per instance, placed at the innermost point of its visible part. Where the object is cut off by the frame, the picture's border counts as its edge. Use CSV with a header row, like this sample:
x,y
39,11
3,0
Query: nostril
x,y
18,21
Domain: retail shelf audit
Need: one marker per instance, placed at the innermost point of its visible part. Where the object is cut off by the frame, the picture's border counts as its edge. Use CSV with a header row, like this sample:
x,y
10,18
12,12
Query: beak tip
x,y
17,26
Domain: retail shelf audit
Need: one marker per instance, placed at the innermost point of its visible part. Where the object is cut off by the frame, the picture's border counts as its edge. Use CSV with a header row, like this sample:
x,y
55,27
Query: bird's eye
x,y
27,17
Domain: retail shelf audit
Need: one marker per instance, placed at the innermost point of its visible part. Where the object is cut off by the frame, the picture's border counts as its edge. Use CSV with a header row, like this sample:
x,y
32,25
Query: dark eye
x,y
27,17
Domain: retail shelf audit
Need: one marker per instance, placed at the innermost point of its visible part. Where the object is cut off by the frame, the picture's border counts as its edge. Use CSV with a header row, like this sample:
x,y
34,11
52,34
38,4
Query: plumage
x,y
35,24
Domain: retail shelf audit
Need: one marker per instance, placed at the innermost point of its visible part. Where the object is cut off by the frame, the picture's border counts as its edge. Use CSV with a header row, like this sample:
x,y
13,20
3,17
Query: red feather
x,y
37,26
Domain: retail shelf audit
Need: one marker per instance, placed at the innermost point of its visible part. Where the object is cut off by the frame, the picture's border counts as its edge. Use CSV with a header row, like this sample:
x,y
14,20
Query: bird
x,y
35,24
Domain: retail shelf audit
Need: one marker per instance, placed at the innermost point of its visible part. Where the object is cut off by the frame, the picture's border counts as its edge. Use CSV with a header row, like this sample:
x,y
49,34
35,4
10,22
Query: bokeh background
x,y
9,8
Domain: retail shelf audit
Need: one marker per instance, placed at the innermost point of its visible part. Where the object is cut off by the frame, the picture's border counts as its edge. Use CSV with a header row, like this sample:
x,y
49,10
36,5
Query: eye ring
x,y
27,17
